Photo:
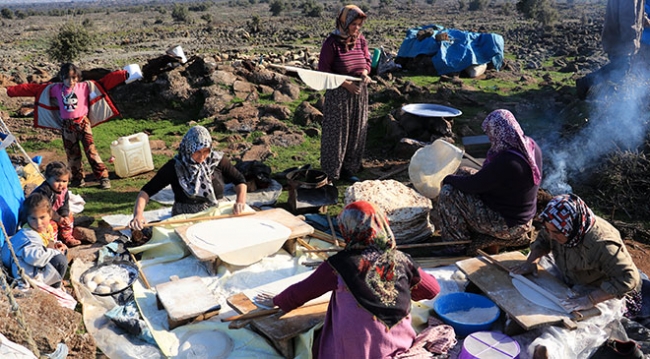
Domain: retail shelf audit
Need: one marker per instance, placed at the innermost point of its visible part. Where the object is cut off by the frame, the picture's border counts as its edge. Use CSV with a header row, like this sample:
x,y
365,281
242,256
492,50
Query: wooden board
x,y
298,229
173,296
281,328
497,285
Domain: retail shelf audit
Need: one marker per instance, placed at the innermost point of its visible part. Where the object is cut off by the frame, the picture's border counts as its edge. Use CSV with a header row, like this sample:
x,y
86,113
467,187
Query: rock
x,y
258,153
279,96
280,112
223,77
269,124
84,221
85,235
312,132
243,89
287,139
306,115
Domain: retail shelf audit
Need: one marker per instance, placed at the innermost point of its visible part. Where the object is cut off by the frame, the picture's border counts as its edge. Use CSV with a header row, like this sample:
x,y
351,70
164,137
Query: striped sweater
x,y
335,59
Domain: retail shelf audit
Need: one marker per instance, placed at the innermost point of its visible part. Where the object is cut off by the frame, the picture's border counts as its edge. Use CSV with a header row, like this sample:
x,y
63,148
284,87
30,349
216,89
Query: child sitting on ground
x,y
55,188
39,254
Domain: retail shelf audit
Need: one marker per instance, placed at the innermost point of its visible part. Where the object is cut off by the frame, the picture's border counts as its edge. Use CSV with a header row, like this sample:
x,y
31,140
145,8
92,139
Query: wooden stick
x,y
401,246
334,238
393,172
309,247
472,159
187,220
253,314
326,237
144,279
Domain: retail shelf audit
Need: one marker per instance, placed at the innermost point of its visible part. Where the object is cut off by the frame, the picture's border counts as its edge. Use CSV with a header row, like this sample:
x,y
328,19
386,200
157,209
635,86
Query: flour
x,y
473,315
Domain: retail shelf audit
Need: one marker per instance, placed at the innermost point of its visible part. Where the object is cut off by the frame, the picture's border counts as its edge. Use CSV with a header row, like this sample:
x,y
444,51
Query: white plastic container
x,y
132,155
430,164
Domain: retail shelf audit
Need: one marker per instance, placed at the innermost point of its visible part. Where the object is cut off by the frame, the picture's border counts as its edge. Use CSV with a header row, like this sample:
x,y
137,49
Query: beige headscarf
x,y
346,16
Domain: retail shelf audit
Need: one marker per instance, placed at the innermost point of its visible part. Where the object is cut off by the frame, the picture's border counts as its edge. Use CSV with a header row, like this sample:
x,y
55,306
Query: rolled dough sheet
x,y
535,297
239,241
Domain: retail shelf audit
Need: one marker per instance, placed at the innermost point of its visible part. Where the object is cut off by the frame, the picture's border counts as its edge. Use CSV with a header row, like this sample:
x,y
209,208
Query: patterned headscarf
x,y
506,135
346,16
196,178
571,216
377,274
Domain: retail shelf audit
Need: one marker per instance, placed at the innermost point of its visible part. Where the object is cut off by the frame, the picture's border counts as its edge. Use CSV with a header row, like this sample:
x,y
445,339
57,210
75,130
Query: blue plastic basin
x,y
454,309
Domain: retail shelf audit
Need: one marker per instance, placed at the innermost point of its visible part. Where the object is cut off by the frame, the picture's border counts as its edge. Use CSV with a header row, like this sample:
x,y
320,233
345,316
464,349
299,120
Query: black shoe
x,y
347,175
77,183
614,348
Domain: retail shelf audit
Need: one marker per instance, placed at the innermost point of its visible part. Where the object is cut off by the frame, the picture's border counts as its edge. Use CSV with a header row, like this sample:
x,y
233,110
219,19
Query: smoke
x,y
617,121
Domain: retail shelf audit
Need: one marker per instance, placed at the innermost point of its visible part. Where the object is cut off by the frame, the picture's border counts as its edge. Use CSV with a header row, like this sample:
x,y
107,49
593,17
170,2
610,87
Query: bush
x,y
542,11
475,5
6,13
20,14
69,43
311,8
276,7
180,13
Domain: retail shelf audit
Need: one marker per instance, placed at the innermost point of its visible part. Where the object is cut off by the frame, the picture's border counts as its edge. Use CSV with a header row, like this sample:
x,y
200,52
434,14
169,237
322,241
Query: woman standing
x,y
372,286
197,175
345,122
496,205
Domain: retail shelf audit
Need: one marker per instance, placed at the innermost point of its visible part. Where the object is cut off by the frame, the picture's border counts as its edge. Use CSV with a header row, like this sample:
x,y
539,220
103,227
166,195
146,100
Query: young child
x,y
38,252
74,106
55,188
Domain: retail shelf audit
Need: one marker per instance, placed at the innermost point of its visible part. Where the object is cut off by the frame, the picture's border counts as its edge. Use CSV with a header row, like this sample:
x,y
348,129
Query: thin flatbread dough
x,y
535,297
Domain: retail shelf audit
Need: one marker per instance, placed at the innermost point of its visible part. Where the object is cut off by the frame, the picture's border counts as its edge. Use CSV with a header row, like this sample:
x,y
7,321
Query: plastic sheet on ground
x,y
9,349
261,197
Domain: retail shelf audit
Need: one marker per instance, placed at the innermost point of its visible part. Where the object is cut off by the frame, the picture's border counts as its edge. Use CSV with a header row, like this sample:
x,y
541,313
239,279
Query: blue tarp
x,y
11,196
461,51
645,35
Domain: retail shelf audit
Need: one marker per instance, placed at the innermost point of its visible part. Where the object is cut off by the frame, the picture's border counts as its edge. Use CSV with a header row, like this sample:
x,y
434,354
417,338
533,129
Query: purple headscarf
x,y
506,135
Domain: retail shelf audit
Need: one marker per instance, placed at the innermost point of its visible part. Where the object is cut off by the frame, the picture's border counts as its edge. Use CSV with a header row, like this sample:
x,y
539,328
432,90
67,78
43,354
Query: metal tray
x,y
431,110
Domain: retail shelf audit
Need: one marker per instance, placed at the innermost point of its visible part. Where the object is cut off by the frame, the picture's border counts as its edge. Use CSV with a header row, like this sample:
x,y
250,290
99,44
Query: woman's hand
x,y
238,208
265,299
138,222
366,79
525,268
576,304
352,87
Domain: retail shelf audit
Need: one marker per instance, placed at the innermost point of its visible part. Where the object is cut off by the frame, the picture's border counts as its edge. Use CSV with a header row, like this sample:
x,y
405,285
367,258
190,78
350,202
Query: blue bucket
x,y
466,312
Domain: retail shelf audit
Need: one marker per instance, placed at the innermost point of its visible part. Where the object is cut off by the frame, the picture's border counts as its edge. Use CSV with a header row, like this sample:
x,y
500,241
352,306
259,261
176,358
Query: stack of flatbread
x,y
406,209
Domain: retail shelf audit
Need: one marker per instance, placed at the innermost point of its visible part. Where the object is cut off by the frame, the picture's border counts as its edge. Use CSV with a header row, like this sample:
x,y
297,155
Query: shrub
x,y
276,7
542,11
6,13
475,5
254,24
69,43
431,2
180,13
20,14
311,8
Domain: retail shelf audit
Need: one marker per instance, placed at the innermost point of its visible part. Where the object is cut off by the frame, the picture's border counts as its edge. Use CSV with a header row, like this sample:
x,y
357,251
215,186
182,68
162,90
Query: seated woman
x,y
588,252
197,175
494,206
372,286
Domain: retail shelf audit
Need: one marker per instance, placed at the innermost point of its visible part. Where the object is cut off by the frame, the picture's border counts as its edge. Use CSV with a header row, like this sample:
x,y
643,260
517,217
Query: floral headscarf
x,y
196,178
377,275
506,135
346,16
571,216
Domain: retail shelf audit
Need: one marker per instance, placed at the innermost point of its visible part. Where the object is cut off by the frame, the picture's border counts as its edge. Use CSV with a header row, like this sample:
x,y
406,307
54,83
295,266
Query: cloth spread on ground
x,y
164,256
461,51
261,197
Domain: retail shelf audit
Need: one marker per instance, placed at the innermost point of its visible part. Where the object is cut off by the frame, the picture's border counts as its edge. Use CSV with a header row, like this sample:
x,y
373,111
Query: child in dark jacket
x,y
55,189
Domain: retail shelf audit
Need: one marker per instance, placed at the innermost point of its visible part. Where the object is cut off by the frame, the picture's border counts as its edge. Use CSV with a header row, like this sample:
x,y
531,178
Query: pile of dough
x,y
101,284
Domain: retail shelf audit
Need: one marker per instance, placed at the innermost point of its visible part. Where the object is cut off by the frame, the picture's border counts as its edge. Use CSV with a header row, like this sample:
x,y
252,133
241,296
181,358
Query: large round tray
x,y
431,110
125,270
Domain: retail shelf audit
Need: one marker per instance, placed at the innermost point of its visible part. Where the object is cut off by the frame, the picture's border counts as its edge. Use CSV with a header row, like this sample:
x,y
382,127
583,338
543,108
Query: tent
x,y
461,50
11,196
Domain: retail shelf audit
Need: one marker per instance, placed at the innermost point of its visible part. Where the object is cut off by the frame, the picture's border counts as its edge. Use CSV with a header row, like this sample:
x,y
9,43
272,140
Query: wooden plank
x,y
433,262
497,285
298,227
281,328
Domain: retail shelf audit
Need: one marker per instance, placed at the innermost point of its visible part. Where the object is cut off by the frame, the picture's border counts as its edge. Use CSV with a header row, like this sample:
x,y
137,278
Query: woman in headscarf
x,y
495,205
589,254
345,121
197,175
372,286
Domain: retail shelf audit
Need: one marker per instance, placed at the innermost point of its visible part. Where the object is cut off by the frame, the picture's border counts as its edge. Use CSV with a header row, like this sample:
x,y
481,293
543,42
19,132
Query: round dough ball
x,y
91,285
103,289
117,286
99,278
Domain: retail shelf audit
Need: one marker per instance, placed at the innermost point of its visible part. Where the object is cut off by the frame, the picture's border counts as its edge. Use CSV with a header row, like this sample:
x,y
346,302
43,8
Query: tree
x,y
180,13
6,13
69,43
276,7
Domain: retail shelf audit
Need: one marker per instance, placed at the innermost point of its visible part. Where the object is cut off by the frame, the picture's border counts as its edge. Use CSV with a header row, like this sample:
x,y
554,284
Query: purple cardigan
x,y
505,185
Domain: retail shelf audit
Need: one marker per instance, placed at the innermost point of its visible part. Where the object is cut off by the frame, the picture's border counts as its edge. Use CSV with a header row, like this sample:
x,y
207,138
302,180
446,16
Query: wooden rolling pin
x,y
187,220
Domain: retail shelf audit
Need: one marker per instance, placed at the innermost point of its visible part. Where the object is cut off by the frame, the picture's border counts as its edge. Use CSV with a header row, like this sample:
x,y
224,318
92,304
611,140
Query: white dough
x,y
91,285
535,297
102,289
99,278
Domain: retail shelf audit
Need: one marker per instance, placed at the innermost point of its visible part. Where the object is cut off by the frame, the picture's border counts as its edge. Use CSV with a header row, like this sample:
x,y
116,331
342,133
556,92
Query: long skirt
x,y
345,125
465,217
